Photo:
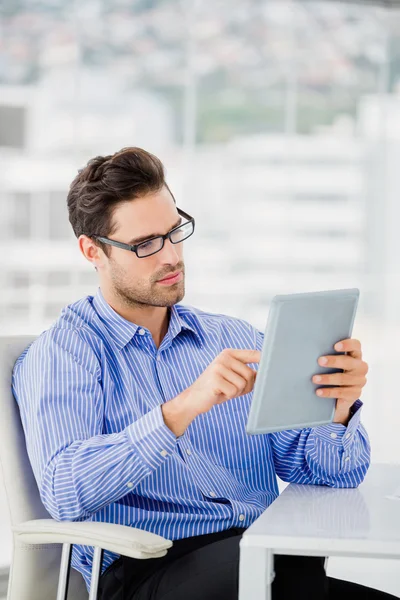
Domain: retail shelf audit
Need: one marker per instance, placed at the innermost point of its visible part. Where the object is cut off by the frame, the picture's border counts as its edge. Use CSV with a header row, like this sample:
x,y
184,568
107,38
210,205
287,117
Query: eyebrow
x,y
143,238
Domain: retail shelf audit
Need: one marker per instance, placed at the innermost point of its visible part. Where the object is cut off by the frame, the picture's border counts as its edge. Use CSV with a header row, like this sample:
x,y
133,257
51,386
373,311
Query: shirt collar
x,y
122,331
183,318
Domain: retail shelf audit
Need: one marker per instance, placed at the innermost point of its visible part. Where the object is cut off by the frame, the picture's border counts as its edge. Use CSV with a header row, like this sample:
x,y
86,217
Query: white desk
x,y
314,520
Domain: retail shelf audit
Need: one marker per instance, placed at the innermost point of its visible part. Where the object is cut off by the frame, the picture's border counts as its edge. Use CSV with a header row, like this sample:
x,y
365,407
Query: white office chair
x,y
39,542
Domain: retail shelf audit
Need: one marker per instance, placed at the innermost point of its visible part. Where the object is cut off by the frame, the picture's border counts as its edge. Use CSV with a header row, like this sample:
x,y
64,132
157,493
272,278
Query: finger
x,y
340,379
343,361
245,356
348,393
250,383
244,371
352,346
233,378
224,388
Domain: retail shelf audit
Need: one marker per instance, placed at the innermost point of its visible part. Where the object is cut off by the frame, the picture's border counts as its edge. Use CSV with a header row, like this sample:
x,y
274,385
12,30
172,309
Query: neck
x,y
153,318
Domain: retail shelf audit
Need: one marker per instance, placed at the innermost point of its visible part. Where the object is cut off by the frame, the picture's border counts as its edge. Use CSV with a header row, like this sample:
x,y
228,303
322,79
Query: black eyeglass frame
x,y
163,237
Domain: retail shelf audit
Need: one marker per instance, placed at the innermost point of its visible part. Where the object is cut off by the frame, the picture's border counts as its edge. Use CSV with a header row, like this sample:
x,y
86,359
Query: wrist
x,y
178,413
343,418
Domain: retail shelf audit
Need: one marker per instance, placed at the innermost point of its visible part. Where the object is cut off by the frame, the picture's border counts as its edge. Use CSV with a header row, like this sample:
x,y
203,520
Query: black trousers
x,y
206,567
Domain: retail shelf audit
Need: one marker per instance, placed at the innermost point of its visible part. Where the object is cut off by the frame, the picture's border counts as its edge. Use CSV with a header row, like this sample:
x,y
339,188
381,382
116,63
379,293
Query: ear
x,y
91,251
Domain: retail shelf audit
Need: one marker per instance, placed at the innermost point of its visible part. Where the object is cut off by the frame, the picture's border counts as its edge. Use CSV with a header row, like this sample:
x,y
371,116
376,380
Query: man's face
x,y
136,281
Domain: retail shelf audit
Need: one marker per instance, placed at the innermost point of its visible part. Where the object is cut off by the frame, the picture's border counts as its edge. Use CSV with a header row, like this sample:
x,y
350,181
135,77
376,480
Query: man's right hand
x,y
227,377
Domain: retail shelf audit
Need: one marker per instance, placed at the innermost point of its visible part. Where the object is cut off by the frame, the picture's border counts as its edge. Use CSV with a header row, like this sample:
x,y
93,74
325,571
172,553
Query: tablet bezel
x,y
254,426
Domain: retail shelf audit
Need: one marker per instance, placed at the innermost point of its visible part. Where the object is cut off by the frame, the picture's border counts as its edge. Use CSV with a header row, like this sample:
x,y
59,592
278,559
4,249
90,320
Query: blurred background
x,y
279,126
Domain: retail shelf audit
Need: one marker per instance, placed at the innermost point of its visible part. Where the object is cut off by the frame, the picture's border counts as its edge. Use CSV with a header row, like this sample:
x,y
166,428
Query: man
x,y
134,406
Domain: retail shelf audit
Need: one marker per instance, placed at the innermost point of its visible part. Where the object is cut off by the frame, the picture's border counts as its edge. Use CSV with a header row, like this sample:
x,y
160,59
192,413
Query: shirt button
x,y
241,517
347,436
213,494
334,435
129,484
141,332
347,458
164,453
188,452
158,357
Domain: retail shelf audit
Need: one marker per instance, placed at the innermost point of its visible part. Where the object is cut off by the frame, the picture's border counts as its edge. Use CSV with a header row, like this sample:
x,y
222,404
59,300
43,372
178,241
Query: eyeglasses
x,y
153,245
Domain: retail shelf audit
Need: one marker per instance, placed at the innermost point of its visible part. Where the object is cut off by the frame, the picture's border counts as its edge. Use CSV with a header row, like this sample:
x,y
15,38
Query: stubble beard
x,y
152,294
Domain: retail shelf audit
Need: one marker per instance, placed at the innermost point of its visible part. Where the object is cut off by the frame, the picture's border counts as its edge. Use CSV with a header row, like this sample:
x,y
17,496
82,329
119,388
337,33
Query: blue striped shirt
x,y
90,391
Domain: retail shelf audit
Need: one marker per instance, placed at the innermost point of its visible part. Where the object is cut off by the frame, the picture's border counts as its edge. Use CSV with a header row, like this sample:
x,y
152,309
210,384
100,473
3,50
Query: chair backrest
x,y
21,490
34,568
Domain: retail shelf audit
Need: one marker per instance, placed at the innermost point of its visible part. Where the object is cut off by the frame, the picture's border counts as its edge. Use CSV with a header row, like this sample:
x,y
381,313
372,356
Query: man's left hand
x,y
349,384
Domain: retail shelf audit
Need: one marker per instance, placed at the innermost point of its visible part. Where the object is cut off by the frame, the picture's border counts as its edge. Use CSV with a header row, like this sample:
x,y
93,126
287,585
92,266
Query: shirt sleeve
x,y
78,469
332,455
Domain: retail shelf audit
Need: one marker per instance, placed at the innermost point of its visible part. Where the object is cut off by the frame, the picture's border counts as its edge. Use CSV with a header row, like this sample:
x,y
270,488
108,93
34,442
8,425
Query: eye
x,y
147,245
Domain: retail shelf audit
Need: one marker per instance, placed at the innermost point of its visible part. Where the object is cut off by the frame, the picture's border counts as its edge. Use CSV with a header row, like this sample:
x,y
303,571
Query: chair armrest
x,y
120,539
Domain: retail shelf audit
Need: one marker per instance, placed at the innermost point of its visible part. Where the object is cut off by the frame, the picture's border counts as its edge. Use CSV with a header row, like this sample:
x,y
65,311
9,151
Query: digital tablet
x,y
300,329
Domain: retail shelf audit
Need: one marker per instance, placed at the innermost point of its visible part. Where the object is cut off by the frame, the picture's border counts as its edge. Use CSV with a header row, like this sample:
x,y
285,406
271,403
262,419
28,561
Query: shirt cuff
x,y
338,434
151,438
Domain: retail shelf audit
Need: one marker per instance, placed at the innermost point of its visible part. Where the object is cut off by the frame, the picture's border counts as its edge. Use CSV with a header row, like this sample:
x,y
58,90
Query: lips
x,y
171,277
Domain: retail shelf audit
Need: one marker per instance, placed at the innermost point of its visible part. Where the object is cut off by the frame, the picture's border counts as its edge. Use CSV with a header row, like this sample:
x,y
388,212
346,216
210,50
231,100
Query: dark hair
x,y
107,181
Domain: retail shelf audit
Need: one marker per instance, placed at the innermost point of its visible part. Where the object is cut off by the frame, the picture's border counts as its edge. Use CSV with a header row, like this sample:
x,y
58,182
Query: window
x,y
60,227
58,278
21,216
278,124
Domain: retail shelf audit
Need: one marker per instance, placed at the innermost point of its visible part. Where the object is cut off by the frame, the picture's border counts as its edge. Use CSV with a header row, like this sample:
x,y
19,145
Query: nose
x,y
170,254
